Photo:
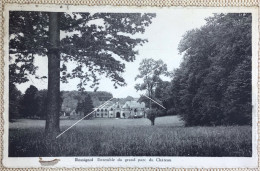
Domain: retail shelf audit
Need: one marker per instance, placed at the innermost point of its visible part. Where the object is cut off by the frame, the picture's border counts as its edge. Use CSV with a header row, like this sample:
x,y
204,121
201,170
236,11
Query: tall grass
x,y
135,140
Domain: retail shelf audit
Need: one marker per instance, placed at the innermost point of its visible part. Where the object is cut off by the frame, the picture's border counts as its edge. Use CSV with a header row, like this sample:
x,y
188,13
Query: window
x,y
101,110
111,109
98,110
105,110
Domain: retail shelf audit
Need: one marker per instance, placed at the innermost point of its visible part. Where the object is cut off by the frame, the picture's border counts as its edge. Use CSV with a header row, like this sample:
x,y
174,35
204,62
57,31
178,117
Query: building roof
x,y
135,104
127,105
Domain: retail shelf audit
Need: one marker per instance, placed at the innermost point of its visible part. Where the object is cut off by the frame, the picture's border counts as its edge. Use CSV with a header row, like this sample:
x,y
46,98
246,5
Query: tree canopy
x,y
29,102
213,84
97,43
85,106
150,71
14,102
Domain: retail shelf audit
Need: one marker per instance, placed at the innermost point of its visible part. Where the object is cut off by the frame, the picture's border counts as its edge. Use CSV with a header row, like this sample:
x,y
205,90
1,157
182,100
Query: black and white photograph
x,y
140,85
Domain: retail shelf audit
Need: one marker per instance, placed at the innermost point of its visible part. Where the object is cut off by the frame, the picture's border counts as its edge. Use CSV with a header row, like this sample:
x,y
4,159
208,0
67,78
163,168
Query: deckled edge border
x,y
154,3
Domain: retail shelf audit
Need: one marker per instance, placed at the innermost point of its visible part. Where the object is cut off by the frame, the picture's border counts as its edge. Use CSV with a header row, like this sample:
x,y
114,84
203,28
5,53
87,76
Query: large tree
x,y
213,84
86,106
97,43
162,93
14,102
29,102
150,71
42,103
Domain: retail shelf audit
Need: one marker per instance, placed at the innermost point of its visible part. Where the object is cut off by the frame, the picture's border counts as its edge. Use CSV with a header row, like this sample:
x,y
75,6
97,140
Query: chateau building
x,y
131,109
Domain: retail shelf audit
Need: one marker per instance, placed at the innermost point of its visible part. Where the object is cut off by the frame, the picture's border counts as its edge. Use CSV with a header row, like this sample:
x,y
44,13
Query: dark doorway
x,y
117,114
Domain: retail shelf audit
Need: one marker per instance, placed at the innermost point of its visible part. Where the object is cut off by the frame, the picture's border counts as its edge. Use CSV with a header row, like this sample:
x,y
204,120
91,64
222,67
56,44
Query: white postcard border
x,y
176,162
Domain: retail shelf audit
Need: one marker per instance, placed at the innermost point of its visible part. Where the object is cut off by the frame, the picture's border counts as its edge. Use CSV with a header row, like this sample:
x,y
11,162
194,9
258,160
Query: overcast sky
x,y
163,36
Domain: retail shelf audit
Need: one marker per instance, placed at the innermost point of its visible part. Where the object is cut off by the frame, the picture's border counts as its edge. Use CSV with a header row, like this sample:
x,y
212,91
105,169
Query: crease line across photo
x,y
102,106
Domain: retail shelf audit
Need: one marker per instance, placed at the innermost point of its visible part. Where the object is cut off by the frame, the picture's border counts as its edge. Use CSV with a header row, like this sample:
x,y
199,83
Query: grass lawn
x,y
129,137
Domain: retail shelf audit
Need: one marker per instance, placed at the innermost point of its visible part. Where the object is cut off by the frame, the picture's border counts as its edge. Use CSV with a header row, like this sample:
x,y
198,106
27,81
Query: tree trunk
x,y
150,101
52,126
152,122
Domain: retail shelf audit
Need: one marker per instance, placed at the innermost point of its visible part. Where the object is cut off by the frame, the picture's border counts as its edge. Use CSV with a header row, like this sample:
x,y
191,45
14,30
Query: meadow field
x,y
129,137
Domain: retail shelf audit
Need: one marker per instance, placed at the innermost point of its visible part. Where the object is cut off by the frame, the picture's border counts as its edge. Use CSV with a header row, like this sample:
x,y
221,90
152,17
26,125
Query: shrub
x,y
151,115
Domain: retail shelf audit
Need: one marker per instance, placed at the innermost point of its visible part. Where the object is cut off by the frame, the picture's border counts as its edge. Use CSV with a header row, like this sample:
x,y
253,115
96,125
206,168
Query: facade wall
x,y
117,111
102,113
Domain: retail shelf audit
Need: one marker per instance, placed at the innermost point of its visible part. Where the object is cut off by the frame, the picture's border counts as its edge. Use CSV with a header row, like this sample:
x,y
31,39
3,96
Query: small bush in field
x,y
151,115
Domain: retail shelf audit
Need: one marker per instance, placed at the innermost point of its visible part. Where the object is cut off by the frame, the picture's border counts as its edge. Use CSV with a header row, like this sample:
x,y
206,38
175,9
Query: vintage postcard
x,y
106,86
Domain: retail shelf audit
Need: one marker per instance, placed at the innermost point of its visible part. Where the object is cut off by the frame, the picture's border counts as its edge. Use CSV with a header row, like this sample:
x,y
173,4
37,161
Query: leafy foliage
x,y
29,102
162,95
150,71
14,102
41,97
96,49
28,33
151,114
32,104
71,98
213,84
85,106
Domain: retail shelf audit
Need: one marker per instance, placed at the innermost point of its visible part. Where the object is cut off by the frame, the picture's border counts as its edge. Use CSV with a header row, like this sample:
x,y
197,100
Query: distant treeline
x,y
71,98
33,103
212,86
